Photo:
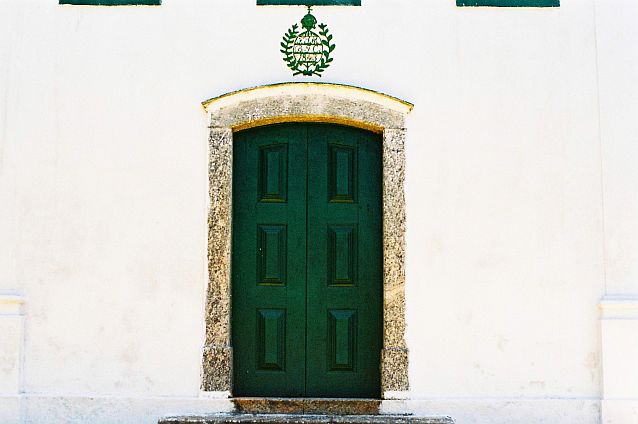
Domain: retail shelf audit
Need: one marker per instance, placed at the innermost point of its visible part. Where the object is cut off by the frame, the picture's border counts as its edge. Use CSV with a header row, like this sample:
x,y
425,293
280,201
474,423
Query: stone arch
x,y
305,102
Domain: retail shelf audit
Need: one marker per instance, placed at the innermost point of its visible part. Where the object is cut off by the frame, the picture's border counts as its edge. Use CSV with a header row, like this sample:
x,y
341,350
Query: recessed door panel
x,y
342,339
271,324
271,254
342,255
273,173
342,172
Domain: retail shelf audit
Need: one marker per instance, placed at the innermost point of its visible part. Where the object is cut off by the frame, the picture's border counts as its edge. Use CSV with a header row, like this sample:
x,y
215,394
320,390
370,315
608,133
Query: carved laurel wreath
x,y
287,48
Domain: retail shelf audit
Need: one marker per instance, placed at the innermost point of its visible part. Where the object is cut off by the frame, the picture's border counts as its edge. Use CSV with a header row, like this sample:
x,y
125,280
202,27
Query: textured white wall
x,y
618,65
617,35
504,238
11,356
103,173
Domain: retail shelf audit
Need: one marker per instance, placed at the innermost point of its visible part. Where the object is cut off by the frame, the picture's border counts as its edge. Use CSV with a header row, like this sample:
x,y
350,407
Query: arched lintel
x,y
307,102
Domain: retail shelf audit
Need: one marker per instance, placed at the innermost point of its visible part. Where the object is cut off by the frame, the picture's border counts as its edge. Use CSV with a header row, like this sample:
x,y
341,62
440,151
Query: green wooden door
x,y
307,261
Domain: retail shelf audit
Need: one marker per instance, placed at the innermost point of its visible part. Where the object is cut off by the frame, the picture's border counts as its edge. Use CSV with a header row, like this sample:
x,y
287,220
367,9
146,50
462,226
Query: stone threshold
x,y
238,418
330,406
306,411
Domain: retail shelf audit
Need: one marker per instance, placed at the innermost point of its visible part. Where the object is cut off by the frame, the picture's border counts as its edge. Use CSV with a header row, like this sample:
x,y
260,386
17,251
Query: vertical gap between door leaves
x,y
305,389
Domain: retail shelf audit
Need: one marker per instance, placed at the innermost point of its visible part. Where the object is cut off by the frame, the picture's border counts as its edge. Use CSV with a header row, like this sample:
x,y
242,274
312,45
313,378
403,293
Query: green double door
x,y
307,261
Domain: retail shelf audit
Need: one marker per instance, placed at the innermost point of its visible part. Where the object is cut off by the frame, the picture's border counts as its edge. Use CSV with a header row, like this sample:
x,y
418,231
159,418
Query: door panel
x,y
271,254
342,341
271,341
269,261
273,172
344,263
307,261
342,255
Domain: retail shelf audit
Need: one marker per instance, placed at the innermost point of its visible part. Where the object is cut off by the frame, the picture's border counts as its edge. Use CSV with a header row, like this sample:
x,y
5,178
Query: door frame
x,y
304,102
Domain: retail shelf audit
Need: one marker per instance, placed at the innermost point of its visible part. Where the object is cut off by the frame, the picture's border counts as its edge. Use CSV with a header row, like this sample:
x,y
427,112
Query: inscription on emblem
x,y
308,52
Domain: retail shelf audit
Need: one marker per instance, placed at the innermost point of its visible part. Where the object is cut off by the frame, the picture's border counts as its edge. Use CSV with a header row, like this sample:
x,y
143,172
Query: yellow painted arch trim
x,y
324,119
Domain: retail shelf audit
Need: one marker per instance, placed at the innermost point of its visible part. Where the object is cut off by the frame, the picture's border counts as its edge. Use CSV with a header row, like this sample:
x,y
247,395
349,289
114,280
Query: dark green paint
x,y
271,325
269,276
307,271
345,268
113,2
509,3
309,2
271,254
307,52
341,339
273,173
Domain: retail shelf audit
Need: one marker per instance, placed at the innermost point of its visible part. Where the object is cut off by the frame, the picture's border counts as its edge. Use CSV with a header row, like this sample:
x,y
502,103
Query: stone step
x,y
328,406
237,418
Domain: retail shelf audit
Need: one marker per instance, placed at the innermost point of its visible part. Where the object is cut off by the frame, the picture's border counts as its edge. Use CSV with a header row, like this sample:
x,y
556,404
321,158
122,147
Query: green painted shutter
x,y
112,2
509,3
310,2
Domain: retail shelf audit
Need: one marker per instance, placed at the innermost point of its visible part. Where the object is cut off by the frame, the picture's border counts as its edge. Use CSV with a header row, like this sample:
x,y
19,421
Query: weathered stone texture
x,y
217,357
394,370
342,406
394,362
305,107
218,368
306,419
310,406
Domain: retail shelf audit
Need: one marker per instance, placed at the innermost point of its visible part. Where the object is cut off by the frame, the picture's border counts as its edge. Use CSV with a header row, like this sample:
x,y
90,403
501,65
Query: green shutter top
x,y
509,3
309,2
113,2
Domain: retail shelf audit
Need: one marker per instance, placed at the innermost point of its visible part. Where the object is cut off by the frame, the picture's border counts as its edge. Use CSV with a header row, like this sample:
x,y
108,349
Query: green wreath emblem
x,y
307,52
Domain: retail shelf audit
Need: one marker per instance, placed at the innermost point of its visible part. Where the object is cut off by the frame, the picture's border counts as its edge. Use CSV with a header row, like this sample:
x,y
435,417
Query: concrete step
x,y
236,418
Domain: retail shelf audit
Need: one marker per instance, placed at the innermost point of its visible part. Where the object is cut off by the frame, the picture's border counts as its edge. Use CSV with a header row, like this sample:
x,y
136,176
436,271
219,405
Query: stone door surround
x,y
304,102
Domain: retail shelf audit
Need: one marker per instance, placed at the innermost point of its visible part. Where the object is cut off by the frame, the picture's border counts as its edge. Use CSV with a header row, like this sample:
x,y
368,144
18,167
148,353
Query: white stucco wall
x,y
618,71
103,187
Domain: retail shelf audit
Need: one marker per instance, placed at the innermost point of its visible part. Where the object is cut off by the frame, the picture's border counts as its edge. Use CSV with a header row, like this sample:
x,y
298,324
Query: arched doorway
x,y
308,103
